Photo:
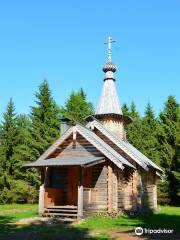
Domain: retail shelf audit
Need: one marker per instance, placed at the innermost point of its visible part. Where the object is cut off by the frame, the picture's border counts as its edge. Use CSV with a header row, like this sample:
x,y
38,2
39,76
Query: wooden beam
x,y
94,163
80,194
110,188
41,200
74,134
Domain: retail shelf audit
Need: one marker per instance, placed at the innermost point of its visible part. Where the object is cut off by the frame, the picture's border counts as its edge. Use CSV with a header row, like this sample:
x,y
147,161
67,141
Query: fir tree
x,y
8,140
169,147
133,111
36,133
77,108
23,152
8,133
149,126
149,114
125,109
45,117
134,129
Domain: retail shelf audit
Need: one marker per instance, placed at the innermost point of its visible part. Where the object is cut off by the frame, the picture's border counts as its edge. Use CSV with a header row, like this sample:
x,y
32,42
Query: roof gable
x,y
79,147
92,138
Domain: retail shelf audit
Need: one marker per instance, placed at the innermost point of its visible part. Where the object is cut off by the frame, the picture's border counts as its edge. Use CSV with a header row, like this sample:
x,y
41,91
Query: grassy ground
x,y
18,211
95,228
165,217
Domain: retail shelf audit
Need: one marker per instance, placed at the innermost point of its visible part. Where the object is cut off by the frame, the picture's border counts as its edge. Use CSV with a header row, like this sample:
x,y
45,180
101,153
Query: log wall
x,y
102,193
136,190
95,193
114,125
127,190
149,190
130,195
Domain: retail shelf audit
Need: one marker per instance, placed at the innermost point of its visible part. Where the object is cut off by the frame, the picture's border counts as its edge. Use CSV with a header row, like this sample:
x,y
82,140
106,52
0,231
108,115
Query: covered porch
x,y
67,186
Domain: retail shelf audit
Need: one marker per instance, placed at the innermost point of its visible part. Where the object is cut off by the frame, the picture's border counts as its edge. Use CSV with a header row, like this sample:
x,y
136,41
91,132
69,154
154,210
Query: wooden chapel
x,y
93,168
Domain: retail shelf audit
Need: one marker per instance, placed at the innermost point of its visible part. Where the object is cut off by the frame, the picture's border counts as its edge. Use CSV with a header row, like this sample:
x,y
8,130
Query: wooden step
x,y
60,210
65,207
60,214
67,211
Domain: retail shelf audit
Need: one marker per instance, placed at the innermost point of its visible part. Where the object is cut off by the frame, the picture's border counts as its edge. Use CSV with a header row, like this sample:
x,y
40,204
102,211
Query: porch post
x,y
44,177
80,194
41,200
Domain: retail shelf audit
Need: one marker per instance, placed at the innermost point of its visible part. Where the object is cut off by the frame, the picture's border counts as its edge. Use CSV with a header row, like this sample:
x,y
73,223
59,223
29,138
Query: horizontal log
x,y
99,184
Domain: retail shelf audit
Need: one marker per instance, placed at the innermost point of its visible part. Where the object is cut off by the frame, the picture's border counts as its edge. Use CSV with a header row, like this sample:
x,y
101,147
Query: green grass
x,y
164,217
9,228
18,206
94,228
19,211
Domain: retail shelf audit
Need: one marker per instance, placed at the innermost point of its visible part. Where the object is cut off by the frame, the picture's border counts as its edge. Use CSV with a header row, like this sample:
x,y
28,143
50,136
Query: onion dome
x,y
109,66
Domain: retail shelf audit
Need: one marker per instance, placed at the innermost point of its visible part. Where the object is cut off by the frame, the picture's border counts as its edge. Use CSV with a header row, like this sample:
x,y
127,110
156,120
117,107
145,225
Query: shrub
x,y
20,192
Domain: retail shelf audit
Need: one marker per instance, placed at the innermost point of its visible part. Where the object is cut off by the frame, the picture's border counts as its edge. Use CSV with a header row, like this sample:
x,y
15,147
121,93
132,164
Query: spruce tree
x,y
149,126
45,117
133,111
125,109
77,108
134,129
169,147
142,132
23,151
36,133
8,133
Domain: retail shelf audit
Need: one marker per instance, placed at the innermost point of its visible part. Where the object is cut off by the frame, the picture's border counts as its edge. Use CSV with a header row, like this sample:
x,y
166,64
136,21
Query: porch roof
x,y
71,161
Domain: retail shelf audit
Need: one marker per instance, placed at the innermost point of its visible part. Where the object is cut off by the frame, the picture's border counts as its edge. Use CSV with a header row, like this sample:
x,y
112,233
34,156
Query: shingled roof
x,y
66,161
128,148
96,141
101,145
109,101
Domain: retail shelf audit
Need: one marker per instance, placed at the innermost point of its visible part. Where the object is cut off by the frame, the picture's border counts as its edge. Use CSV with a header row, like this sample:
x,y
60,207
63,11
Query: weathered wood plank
x,y
80,194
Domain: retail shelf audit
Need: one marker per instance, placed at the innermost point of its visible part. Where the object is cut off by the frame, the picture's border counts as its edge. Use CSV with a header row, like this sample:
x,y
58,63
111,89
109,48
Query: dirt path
x,y
74,233
130,235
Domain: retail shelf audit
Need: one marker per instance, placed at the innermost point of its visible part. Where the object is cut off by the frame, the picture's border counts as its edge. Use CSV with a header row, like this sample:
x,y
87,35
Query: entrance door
x,y
72,188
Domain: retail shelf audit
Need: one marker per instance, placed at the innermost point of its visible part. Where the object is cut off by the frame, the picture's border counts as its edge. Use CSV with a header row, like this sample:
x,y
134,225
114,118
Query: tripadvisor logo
x,y
139,231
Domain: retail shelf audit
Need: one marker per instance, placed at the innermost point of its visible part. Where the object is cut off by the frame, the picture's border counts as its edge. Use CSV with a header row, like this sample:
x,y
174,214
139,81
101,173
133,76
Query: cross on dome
x,y
109,43
109,66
